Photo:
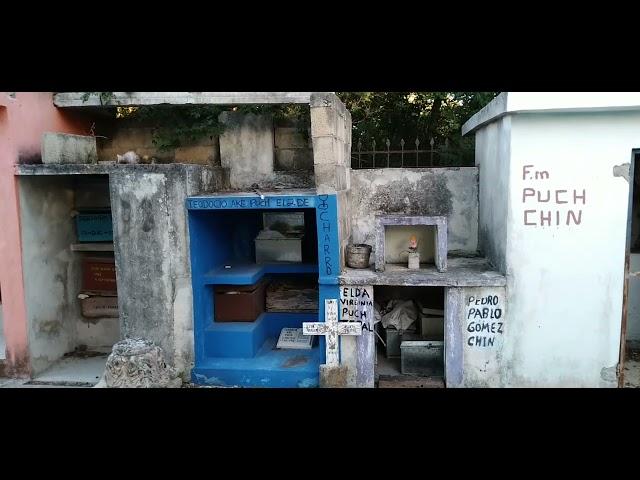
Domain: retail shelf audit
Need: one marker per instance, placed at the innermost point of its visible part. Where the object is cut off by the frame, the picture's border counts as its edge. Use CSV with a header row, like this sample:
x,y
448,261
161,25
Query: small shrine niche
x,y
412,242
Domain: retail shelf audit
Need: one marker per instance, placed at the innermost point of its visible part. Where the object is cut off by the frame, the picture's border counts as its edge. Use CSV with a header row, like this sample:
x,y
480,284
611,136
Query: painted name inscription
x,y
324,232
547,214
485,322
218,203
356,304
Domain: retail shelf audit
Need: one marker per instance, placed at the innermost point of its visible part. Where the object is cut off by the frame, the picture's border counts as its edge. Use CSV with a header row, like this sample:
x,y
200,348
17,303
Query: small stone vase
x,y
414,261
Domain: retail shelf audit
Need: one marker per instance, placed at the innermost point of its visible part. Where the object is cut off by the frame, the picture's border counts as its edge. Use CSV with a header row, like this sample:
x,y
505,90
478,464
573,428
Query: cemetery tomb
x,y
259,255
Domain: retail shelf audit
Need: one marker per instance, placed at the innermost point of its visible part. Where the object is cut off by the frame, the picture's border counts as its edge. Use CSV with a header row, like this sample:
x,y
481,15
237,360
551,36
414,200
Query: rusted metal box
x,y
99,307
239,303
394,338
422,357
99,275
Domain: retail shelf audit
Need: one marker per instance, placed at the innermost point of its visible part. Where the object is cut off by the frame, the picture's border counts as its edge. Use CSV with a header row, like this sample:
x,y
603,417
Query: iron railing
x,y
434,156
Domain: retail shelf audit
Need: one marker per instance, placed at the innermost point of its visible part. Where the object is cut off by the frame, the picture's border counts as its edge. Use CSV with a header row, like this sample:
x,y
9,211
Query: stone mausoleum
x,y
235,254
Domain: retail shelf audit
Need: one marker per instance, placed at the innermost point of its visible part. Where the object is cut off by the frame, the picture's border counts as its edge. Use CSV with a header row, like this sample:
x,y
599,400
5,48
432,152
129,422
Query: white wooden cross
x,y
331,328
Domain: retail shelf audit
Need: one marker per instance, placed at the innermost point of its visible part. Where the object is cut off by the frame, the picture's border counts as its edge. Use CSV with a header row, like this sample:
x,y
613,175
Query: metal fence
x,y
433,156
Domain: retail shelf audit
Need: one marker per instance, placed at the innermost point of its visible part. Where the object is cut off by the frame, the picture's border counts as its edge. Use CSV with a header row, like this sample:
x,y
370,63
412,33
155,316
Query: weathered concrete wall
x,y
253,154
633,318
97,333
205,151
66,148
475,327
292,150
565,271
24,117
152,254
493,145
246,148
452,192
51,271
331,138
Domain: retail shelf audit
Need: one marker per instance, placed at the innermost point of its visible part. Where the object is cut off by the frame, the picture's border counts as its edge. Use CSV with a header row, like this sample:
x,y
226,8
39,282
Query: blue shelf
x,y
269,368
250,273
244,339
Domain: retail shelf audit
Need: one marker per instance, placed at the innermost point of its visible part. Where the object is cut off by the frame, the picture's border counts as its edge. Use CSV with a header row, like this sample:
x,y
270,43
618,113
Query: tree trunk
x,y
434,117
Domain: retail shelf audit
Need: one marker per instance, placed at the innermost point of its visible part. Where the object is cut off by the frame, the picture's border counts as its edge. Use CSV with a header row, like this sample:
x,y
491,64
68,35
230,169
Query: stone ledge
x,y
104,169
132,99
461,272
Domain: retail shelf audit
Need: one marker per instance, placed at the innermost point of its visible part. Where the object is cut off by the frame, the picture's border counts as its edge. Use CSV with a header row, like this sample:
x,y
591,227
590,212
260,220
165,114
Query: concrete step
x,y
408,381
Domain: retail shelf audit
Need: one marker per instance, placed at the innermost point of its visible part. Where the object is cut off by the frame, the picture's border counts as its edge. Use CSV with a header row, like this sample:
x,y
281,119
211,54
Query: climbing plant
x,y
176,125
376,116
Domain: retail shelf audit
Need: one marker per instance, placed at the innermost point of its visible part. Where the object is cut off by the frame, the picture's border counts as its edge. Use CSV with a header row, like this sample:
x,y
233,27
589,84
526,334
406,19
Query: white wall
x,y
564,283
492,160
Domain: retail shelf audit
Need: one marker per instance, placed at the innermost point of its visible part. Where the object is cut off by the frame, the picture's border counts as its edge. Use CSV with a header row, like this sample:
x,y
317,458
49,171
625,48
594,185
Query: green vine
x,y
178,125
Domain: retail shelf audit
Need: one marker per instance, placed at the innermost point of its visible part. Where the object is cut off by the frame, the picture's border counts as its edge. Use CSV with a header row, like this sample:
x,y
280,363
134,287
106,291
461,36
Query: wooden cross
x,y
331,328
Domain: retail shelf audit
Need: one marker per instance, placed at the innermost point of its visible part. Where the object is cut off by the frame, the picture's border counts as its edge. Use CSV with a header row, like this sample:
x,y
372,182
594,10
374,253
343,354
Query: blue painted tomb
x,y
222,229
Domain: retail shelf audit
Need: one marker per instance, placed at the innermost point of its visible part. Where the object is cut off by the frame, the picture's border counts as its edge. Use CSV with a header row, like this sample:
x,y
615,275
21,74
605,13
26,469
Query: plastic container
x,y
94,226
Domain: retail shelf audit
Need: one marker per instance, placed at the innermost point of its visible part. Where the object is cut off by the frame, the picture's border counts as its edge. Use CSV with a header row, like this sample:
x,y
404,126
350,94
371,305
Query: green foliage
x,y
409,115
376,116
174,126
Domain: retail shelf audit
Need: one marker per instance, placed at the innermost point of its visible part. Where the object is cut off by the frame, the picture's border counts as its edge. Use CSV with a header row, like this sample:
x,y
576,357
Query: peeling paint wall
x,y
452,192
24,117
